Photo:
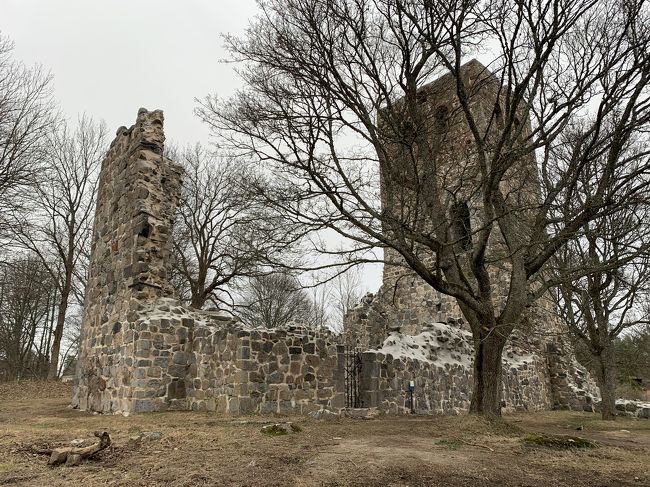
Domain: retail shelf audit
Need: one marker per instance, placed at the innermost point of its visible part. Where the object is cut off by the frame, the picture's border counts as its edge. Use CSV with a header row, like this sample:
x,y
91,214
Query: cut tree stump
x,y
72,456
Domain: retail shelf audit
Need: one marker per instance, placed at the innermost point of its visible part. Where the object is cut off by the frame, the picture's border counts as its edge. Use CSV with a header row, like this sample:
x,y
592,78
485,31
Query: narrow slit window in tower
x,y
441,116
461,224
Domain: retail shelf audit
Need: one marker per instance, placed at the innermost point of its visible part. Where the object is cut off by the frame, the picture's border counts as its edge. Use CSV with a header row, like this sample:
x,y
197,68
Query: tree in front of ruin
x,y
332,94
603,284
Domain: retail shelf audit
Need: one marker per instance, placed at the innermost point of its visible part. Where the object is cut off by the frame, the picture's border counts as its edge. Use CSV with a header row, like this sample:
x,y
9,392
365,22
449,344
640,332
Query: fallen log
x,y
73,456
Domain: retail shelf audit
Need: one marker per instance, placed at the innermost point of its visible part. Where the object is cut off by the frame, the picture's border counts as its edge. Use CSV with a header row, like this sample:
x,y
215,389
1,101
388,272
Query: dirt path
x,y
199,449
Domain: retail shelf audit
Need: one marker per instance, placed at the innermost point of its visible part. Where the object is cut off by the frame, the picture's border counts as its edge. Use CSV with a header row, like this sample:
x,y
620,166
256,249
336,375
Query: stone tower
x,y
410,302
405,303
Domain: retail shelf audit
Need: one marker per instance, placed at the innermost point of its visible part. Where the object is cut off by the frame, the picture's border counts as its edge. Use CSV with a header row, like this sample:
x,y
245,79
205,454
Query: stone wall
x,y
184,359
631,409
292,370
440,362
540,368
571,384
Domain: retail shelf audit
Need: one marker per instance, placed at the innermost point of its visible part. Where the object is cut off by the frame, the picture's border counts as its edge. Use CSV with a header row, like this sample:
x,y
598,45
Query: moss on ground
x,y
280,430
559,442
449,444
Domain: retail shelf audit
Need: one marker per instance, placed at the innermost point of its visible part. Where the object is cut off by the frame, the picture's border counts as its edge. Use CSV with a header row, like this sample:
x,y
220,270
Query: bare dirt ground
x,y
204,449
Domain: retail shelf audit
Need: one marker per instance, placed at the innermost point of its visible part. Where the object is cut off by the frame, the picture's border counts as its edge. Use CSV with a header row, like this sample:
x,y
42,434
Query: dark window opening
x,y
461,225
498,113
441,113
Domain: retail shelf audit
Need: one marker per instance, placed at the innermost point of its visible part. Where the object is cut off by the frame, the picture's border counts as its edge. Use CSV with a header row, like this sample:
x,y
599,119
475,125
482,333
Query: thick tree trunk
x,y
198,300
606,379
198,288
486,396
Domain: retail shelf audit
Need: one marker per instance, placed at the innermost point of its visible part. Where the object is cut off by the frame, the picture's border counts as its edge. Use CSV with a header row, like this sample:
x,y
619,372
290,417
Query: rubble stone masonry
x,y
130,255
142,350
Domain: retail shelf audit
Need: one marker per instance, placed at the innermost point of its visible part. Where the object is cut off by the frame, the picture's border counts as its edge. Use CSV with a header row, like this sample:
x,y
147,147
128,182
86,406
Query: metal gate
x,y
352,372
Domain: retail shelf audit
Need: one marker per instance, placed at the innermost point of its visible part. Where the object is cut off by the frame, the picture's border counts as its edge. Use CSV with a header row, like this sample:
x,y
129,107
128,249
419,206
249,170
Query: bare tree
x,y
59,230
25,308
317,74
347,291
222,232
632,353
275,300
321,310
604,282
26,116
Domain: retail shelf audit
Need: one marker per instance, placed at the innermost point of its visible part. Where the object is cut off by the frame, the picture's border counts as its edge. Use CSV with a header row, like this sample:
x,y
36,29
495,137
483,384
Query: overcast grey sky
x,y
110,58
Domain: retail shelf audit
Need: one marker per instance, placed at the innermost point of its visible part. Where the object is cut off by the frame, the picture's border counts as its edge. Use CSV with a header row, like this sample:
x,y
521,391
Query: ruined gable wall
x,y
130,255
136,201
141,349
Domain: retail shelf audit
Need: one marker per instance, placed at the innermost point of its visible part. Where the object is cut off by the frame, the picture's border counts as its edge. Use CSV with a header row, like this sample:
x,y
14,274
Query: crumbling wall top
x,y
136,201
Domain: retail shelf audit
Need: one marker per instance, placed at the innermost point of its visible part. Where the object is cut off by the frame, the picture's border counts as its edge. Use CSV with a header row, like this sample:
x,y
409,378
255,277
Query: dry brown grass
x,y
200,449
26,390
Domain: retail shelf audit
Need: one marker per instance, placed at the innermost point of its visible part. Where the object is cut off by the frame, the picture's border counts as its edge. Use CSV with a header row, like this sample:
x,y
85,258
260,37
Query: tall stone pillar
x,y
130,254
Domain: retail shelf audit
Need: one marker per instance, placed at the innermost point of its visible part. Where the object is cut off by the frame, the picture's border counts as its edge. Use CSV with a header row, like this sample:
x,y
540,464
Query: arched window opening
x,y
461,225
498,113
441,115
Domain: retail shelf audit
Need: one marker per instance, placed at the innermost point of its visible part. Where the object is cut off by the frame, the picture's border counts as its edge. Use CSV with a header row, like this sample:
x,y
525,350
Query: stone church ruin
x,y
142,350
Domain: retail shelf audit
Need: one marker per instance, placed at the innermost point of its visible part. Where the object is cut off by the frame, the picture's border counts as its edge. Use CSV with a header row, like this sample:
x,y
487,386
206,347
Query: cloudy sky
x,y
110,58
